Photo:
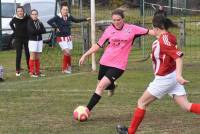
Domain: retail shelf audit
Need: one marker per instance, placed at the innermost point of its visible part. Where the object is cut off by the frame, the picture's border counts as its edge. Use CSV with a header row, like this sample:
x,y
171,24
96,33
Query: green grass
x,y
45,105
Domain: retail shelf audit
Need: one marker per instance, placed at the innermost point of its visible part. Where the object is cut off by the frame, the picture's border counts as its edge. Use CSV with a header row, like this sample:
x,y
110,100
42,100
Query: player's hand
x,y
181,80
82,59
88,18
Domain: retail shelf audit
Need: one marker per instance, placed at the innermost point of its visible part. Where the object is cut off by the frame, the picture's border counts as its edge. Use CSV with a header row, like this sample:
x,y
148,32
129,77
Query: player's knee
x,y
101,87
141,104
186,107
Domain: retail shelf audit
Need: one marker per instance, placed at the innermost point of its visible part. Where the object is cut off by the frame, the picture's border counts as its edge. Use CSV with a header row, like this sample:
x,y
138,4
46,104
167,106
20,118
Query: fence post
x,y
93,36
141,7
0,29
182,32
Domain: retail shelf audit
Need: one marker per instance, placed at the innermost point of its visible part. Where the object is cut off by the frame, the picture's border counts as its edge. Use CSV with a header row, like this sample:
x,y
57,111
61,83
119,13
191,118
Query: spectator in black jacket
x,y
19,26
62,23
35,43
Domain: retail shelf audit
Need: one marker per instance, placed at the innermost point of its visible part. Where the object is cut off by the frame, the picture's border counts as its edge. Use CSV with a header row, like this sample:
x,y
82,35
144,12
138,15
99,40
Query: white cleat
x,y
18,74
68,70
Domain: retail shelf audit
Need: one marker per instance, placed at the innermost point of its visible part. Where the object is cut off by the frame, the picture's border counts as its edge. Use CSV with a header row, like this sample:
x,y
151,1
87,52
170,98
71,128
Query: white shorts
x,y
65,42
35,46
163,85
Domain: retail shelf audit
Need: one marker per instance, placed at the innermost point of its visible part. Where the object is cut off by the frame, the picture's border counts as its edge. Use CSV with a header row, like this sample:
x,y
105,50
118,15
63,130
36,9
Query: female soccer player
x,y
167,65
62,23
35,44
120,37
19,26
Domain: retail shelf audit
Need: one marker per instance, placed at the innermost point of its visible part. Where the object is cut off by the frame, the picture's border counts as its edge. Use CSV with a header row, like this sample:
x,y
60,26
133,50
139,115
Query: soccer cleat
x,y
41,75
68,70
121,129
17,74
88,112
111,92
33,75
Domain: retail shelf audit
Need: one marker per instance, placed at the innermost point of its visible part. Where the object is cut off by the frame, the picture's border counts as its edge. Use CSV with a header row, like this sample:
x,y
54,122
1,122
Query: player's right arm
x,y
12,25
52,22
93,49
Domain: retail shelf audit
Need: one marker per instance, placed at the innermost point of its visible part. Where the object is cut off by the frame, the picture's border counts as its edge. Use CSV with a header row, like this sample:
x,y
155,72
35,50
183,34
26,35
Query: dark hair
x,y
118,12
162,22
160,12
20,7
64,4
34,10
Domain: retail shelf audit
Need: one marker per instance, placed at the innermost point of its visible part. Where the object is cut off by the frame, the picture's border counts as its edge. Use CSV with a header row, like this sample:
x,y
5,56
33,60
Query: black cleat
x,y
121,129
112,91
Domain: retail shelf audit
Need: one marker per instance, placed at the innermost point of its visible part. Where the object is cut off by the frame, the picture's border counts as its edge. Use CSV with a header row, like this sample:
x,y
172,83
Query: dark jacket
x,y
19,27
35,30
64,26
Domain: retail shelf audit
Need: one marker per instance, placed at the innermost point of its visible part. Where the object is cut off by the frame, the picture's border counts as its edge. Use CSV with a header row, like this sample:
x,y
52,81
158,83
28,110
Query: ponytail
x,y
168,24
162,22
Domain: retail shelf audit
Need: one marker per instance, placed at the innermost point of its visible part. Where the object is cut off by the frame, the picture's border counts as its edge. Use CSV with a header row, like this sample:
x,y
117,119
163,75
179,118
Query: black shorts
x,y
111,73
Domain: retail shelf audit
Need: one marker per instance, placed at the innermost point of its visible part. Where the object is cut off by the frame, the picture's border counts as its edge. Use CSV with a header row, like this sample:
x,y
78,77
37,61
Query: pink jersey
x,y
164,53
120,44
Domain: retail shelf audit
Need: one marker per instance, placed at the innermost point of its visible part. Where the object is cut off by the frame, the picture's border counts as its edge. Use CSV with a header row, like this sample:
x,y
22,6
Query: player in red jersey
x,y
167,65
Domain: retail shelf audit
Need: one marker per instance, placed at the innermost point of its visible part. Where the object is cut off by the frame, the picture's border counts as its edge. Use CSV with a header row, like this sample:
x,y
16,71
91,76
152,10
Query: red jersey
x,y
164,54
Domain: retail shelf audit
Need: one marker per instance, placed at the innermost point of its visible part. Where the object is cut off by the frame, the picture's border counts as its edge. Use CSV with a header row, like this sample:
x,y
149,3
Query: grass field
x,y
45,105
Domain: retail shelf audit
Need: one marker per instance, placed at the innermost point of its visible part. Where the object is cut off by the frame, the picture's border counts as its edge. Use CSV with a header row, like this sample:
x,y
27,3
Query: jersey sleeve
x,y
139,31
170,48
104,38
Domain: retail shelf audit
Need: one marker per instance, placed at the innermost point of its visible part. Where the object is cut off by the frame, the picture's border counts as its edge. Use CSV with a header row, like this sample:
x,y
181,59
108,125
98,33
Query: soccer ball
x,y
81,113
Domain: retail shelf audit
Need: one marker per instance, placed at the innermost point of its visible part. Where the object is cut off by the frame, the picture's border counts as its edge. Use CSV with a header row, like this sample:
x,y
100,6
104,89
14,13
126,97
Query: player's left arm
x,y
179,68
151,32
78,20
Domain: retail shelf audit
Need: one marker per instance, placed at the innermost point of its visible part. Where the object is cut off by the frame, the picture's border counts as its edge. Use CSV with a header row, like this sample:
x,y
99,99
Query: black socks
x,y
93,101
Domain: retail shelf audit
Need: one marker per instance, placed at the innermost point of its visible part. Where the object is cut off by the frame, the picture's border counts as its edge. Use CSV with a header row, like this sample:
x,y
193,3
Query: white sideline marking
x,y
46,90
43,78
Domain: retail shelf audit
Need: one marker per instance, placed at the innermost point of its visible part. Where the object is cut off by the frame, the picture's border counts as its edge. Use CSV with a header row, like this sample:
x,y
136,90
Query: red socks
x,y
69,60
34,66
195,108
37,66
136,120
66,62
31,66
139,115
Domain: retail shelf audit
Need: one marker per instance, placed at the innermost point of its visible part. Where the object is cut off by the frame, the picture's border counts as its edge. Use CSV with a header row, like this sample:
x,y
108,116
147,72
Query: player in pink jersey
x,y
120,37
167,65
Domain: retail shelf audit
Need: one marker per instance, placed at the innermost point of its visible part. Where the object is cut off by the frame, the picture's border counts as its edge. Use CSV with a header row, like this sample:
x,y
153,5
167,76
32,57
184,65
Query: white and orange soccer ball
x,y
81,113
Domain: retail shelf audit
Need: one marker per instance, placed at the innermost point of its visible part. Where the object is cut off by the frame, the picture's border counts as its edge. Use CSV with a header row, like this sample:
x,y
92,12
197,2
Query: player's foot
x,y
33,75
121,129
68,70
111,92
17,73
88,112
41,75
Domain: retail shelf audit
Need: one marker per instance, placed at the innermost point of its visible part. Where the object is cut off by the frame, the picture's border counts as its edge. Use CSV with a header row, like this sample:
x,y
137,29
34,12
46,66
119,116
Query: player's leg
x,y
96,97
18,46
156,90
32,49
37,58
67,60
113,74
138,114
103,83
179,95
183,102
27,54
